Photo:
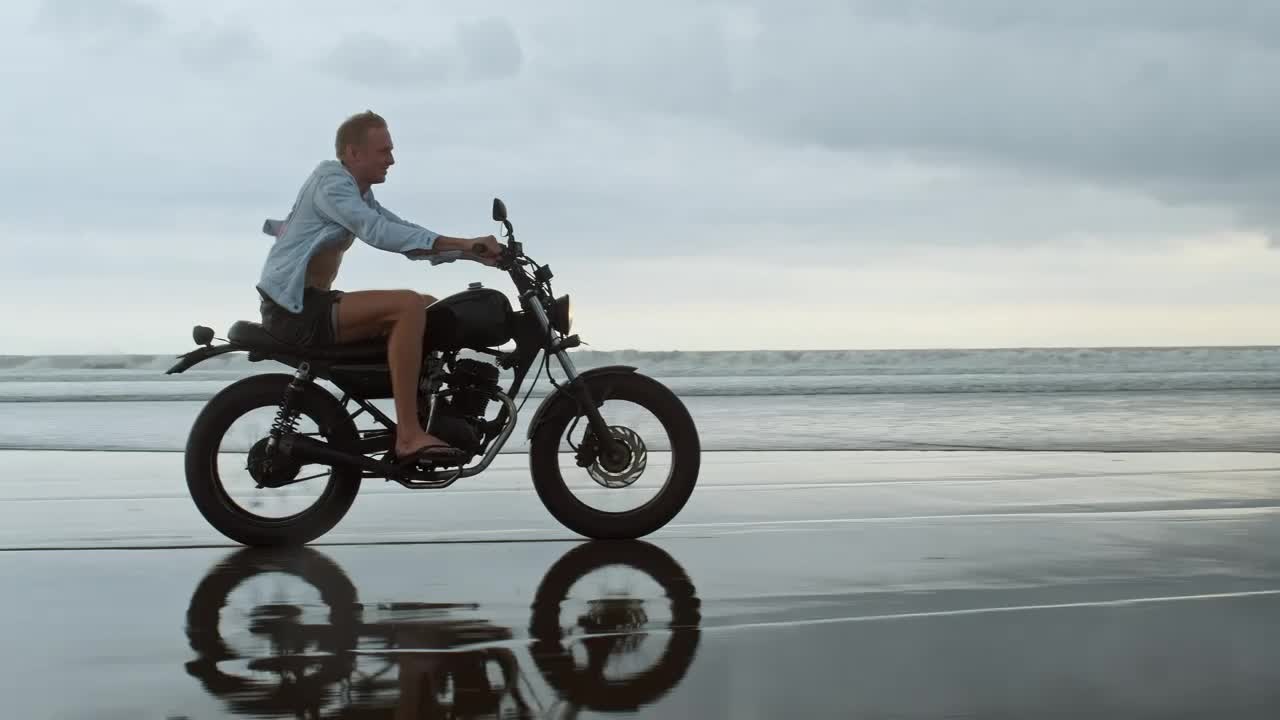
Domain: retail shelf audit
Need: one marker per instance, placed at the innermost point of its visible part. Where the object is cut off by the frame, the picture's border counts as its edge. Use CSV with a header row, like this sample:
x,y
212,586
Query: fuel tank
x,y
475,318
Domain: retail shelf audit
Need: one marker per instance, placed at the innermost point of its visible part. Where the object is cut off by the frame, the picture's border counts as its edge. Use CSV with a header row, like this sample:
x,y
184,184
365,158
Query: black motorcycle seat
x,y
256,338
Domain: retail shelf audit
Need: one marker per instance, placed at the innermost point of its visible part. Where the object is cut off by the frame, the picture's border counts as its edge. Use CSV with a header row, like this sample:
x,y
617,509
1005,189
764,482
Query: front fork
x,y
608,445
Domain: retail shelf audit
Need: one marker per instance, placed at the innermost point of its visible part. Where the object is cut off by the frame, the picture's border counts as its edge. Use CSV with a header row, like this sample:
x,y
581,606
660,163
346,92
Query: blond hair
x,y
354,129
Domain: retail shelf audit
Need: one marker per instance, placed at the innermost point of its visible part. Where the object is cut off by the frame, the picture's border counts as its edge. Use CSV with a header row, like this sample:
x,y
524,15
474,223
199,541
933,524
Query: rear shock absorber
x,y
286,421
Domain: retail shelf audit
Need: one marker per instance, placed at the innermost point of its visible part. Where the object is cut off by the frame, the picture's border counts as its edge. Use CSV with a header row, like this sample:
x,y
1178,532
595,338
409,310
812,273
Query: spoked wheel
x,y
633,491
224,465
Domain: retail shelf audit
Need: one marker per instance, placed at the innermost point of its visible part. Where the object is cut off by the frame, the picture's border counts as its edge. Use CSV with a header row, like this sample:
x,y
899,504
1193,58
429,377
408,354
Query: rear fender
x,y
561,398
199,355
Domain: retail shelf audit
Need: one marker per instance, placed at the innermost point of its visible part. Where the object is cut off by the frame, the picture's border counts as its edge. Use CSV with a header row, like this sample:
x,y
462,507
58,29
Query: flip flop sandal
x,y
434,454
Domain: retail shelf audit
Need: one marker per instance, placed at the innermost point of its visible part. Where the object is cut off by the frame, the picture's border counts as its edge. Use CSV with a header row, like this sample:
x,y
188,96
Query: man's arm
x,y
443,252
339,200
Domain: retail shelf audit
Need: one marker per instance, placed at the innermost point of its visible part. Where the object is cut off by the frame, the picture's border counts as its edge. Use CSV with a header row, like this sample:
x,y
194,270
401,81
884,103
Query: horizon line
x,y
985,348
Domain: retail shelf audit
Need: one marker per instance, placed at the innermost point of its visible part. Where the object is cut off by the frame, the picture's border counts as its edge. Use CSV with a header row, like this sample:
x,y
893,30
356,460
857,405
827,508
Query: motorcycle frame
x,y
521,361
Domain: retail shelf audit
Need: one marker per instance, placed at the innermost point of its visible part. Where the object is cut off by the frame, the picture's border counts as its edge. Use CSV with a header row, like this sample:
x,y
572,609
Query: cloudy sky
x,y
700,175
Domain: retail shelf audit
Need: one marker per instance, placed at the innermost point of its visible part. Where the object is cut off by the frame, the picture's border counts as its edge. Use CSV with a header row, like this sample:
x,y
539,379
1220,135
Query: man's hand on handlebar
x,y
486,250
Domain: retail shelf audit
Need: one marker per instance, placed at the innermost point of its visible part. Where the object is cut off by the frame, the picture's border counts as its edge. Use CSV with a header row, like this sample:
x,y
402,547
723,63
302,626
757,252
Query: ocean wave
x,y
680,363
723,386
1136,422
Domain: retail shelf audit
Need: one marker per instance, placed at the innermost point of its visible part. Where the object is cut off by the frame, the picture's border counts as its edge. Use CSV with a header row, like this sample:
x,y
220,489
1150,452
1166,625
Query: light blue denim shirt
x,y
328,211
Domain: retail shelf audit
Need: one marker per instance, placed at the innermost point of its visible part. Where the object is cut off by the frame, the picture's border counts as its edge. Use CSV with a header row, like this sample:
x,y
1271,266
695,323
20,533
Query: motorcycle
x,y
454,394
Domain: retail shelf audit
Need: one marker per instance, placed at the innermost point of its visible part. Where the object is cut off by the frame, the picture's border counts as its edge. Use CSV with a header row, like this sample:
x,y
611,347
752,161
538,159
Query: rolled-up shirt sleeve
x,y
339,200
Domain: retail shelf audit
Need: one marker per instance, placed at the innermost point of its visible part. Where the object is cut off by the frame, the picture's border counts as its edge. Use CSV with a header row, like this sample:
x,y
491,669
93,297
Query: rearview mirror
x,y
499,210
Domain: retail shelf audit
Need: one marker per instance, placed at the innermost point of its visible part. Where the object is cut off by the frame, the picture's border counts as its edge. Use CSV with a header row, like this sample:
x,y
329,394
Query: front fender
x,y
555,399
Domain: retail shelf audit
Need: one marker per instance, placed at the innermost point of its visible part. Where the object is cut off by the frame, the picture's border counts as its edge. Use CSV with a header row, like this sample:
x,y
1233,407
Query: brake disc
x,y
629,468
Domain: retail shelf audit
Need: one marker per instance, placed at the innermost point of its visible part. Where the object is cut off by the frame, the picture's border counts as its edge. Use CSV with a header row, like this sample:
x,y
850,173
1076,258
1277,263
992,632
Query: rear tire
x,y
686,451
201,461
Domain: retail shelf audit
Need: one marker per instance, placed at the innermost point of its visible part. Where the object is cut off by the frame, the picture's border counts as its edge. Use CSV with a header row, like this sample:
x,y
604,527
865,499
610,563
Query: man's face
x,y
370,160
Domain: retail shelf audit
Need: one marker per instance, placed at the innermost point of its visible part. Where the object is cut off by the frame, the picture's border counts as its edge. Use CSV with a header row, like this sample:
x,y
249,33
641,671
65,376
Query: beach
x,y
899,584
1095,557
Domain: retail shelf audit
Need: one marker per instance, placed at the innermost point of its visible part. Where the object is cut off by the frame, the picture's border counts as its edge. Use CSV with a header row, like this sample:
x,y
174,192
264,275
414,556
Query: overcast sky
x,y
833,174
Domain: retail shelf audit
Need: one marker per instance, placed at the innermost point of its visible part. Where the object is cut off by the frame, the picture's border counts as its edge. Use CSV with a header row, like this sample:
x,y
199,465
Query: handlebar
x,y
506,256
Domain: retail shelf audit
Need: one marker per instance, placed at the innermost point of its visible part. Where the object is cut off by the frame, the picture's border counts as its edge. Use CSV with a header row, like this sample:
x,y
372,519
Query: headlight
x,y
562,315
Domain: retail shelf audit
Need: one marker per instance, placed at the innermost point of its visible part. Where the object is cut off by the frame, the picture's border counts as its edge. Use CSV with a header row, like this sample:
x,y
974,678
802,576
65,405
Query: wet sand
x,y
806,585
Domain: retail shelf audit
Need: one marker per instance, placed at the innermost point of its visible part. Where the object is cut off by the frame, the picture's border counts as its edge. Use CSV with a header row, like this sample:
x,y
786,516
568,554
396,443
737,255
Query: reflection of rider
x,y
445,671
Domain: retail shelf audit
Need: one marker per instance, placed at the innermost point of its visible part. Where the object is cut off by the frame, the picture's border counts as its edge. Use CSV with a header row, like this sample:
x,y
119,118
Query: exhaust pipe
x,y
306,450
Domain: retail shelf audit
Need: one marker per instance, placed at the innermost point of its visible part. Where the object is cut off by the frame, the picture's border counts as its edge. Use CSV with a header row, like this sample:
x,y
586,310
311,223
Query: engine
x,y
459,417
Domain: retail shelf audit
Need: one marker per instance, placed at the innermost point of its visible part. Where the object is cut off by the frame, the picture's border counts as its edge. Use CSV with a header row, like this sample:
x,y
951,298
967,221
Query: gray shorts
x,y
317,324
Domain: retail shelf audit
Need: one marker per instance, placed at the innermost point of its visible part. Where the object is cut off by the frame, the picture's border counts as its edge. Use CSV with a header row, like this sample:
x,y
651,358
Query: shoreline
x,y
119,499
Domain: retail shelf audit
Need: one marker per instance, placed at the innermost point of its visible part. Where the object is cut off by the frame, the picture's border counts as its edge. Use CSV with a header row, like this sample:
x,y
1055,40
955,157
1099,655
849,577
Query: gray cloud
x,y
369,59
98,16
213,46
854,124
138,31
474,51
1172,98
1245,20
491,49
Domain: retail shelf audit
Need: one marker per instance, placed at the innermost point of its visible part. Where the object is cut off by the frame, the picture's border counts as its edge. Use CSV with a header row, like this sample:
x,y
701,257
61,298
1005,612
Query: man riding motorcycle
x,y
334,206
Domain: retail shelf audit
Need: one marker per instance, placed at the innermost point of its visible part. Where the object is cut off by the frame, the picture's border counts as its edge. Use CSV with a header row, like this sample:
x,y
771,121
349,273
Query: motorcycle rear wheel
x,y
211,498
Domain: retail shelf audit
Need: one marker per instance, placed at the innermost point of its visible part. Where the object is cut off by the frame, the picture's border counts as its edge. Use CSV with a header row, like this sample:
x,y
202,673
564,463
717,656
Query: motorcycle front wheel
x,y
547,452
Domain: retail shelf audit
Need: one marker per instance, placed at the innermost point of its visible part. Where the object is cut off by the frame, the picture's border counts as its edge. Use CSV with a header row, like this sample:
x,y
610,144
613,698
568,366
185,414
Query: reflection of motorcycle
x,y
431,660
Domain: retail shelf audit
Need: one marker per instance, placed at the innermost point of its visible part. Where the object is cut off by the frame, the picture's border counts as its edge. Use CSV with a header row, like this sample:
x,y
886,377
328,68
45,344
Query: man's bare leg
x,y
399,315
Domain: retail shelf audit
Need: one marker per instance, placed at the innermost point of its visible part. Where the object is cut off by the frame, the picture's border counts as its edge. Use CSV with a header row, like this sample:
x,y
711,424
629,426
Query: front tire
x,y
686,451
211,498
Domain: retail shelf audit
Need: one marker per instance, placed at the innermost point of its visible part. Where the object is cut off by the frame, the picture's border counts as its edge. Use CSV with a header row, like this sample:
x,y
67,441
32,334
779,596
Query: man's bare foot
x,y
412,443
